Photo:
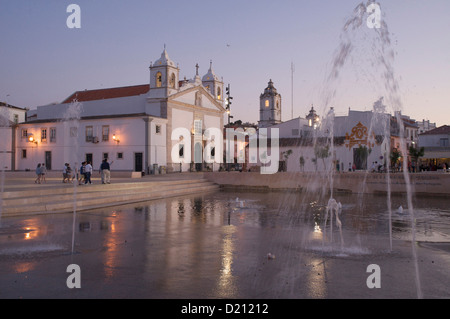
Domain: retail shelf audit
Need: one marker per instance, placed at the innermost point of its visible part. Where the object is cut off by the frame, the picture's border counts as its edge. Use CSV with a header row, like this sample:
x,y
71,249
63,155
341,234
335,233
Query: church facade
x,y
133,126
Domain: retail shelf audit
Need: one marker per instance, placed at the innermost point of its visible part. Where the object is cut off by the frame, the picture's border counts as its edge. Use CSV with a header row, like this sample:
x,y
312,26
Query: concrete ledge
x,y
32,199
349,182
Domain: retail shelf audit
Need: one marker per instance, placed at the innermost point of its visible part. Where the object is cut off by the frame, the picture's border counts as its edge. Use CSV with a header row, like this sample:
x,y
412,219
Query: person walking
x,y
65,173
88,173
105,171
82,177
69,173
43,172
38,174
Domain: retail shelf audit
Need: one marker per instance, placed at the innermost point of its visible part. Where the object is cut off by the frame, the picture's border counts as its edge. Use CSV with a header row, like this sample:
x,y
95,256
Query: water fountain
x,y
334,208
4,125
382,57
71,120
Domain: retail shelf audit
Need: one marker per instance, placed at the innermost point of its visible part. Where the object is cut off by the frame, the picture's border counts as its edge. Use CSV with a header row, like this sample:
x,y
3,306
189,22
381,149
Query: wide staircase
x,y
67,197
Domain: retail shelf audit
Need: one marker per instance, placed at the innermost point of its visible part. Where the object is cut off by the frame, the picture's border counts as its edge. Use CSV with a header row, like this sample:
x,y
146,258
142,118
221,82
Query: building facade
x,y
133,126
436,144
10,117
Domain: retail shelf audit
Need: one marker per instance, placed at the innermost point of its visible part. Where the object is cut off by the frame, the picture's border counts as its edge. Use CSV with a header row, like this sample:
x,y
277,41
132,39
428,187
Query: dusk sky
x,y
249,42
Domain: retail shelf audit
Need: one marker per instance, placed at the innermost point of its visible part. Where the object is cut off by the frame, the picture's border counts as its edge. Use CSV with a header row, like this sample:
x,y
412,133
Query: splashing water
x,y
4,125
380,55
72,122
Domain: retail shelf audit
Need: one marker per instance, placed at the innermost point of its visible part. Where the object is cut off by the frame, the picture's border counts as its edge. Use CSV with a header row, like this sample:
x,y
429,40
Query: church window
x,y
172,81
198,127
267,103
219,94
158,79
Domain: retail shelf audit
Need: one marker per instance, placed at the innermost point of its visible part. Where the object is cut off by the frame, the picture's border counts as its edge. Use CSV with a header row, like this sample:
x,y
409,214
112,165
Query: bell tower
x,y
213,84
269,107
164,76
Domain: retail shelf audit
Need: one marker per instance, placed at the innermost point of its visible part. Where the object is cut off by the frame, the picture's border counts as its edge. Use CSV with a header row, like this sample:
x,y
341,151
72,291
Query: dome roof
x,y
270,90
210,76
164,60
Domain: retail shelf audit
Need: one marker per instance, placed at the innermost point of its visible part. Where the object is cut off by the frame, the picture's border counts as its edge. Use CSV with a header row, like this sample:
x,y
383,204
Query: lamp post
x,y
228,102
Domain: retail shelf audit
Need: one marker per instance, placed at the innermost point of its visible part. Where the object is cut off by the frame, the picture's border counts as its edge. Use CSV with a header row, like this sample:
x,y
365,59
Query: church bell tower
x,y
270,107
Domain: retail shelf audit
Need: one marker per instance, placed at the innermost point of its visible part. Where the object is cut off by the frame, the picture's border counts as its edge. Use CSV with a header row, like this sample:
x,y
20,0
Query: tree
x,y
395,156
302,163
322,153
286,155
416,154
314,160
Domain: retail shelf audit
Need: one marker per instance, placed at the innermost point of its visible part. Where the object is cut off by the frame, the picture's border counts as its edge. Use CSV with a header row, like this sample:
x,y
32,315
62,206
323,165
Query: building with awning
x,y
436,144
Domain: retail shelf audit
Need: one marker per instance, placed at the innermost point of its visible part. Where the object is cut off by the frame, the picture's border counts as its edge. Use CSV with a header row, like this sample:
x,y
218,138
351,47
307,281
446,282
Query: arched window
x,y
158,79
267,103
172,81
219,94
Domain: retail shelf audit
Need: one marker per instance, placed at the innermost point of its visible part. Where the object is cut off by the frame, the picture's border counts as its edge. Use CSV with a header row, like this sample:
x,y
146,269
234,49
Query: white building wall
x,y
5,148
66,148
158,150
432,140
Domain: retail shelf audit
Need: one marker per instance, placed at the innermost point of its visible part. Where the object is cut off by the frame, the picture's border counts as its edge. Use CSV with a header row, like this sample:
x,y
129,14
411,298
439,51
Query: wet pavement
x,y
229,245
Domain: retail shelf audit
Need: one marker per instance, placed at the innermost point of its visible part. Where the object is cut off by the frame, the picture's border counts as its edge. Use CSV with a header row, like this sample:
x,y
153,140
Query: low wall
x,y
351,182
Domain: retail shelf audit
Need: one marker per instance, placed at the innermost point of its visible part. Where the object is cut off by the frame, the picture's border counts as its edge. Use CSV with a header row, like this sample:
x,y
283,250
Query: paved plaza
x,y
212,246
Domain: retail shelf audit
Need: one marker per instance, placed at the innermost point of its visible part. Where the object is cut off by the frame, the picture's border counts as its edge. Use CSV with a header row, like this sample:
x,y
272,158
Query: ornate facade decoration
x,y
360,136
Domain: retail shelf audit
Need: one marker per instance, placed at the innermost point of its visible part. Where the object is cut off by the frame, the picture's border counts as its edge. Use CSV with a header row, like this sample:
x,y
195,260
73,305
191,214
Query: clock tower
x,y
269,107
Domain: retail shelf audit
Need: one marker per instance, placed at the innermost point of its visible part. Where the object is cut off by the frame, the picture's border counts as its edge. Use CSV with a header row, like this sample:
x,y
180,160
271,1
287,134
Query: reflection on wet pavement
x,y
217,246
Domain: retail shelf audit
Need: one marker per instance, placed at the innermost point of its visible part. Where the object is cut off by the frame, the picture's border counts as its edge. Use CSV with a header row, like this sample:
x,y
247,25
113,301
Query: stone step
x,y
45,189
89,191
106,199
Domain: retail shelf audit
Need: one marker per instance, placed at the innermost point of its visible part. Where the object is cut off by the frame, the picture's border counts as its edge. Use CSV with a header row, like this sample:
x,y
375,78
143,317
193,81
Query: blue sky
x,y
42,61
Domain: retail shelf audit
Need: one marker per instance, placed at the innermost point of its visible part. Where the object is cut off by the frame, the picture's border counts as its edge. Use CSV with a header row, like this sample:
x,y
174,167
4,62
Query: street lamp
x,y
31,139
115,139
228,103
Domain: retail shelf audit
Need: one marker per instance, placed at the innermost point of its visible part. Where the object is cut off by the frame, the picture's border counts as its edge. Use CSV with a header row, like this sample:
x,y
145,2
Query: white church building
x,y
131,125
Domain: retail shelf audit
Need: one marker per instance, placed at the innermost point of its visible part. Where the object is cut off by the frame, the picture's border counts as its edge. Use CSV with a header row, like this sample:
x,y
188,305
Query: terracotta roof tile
x,y
101,94
445,129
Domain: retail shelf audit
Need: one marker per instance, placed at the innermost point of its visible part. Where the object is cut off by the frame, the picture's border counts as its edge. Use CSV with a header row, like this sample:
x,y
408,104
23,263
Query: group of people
x,y
85,172
82,175
41,170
